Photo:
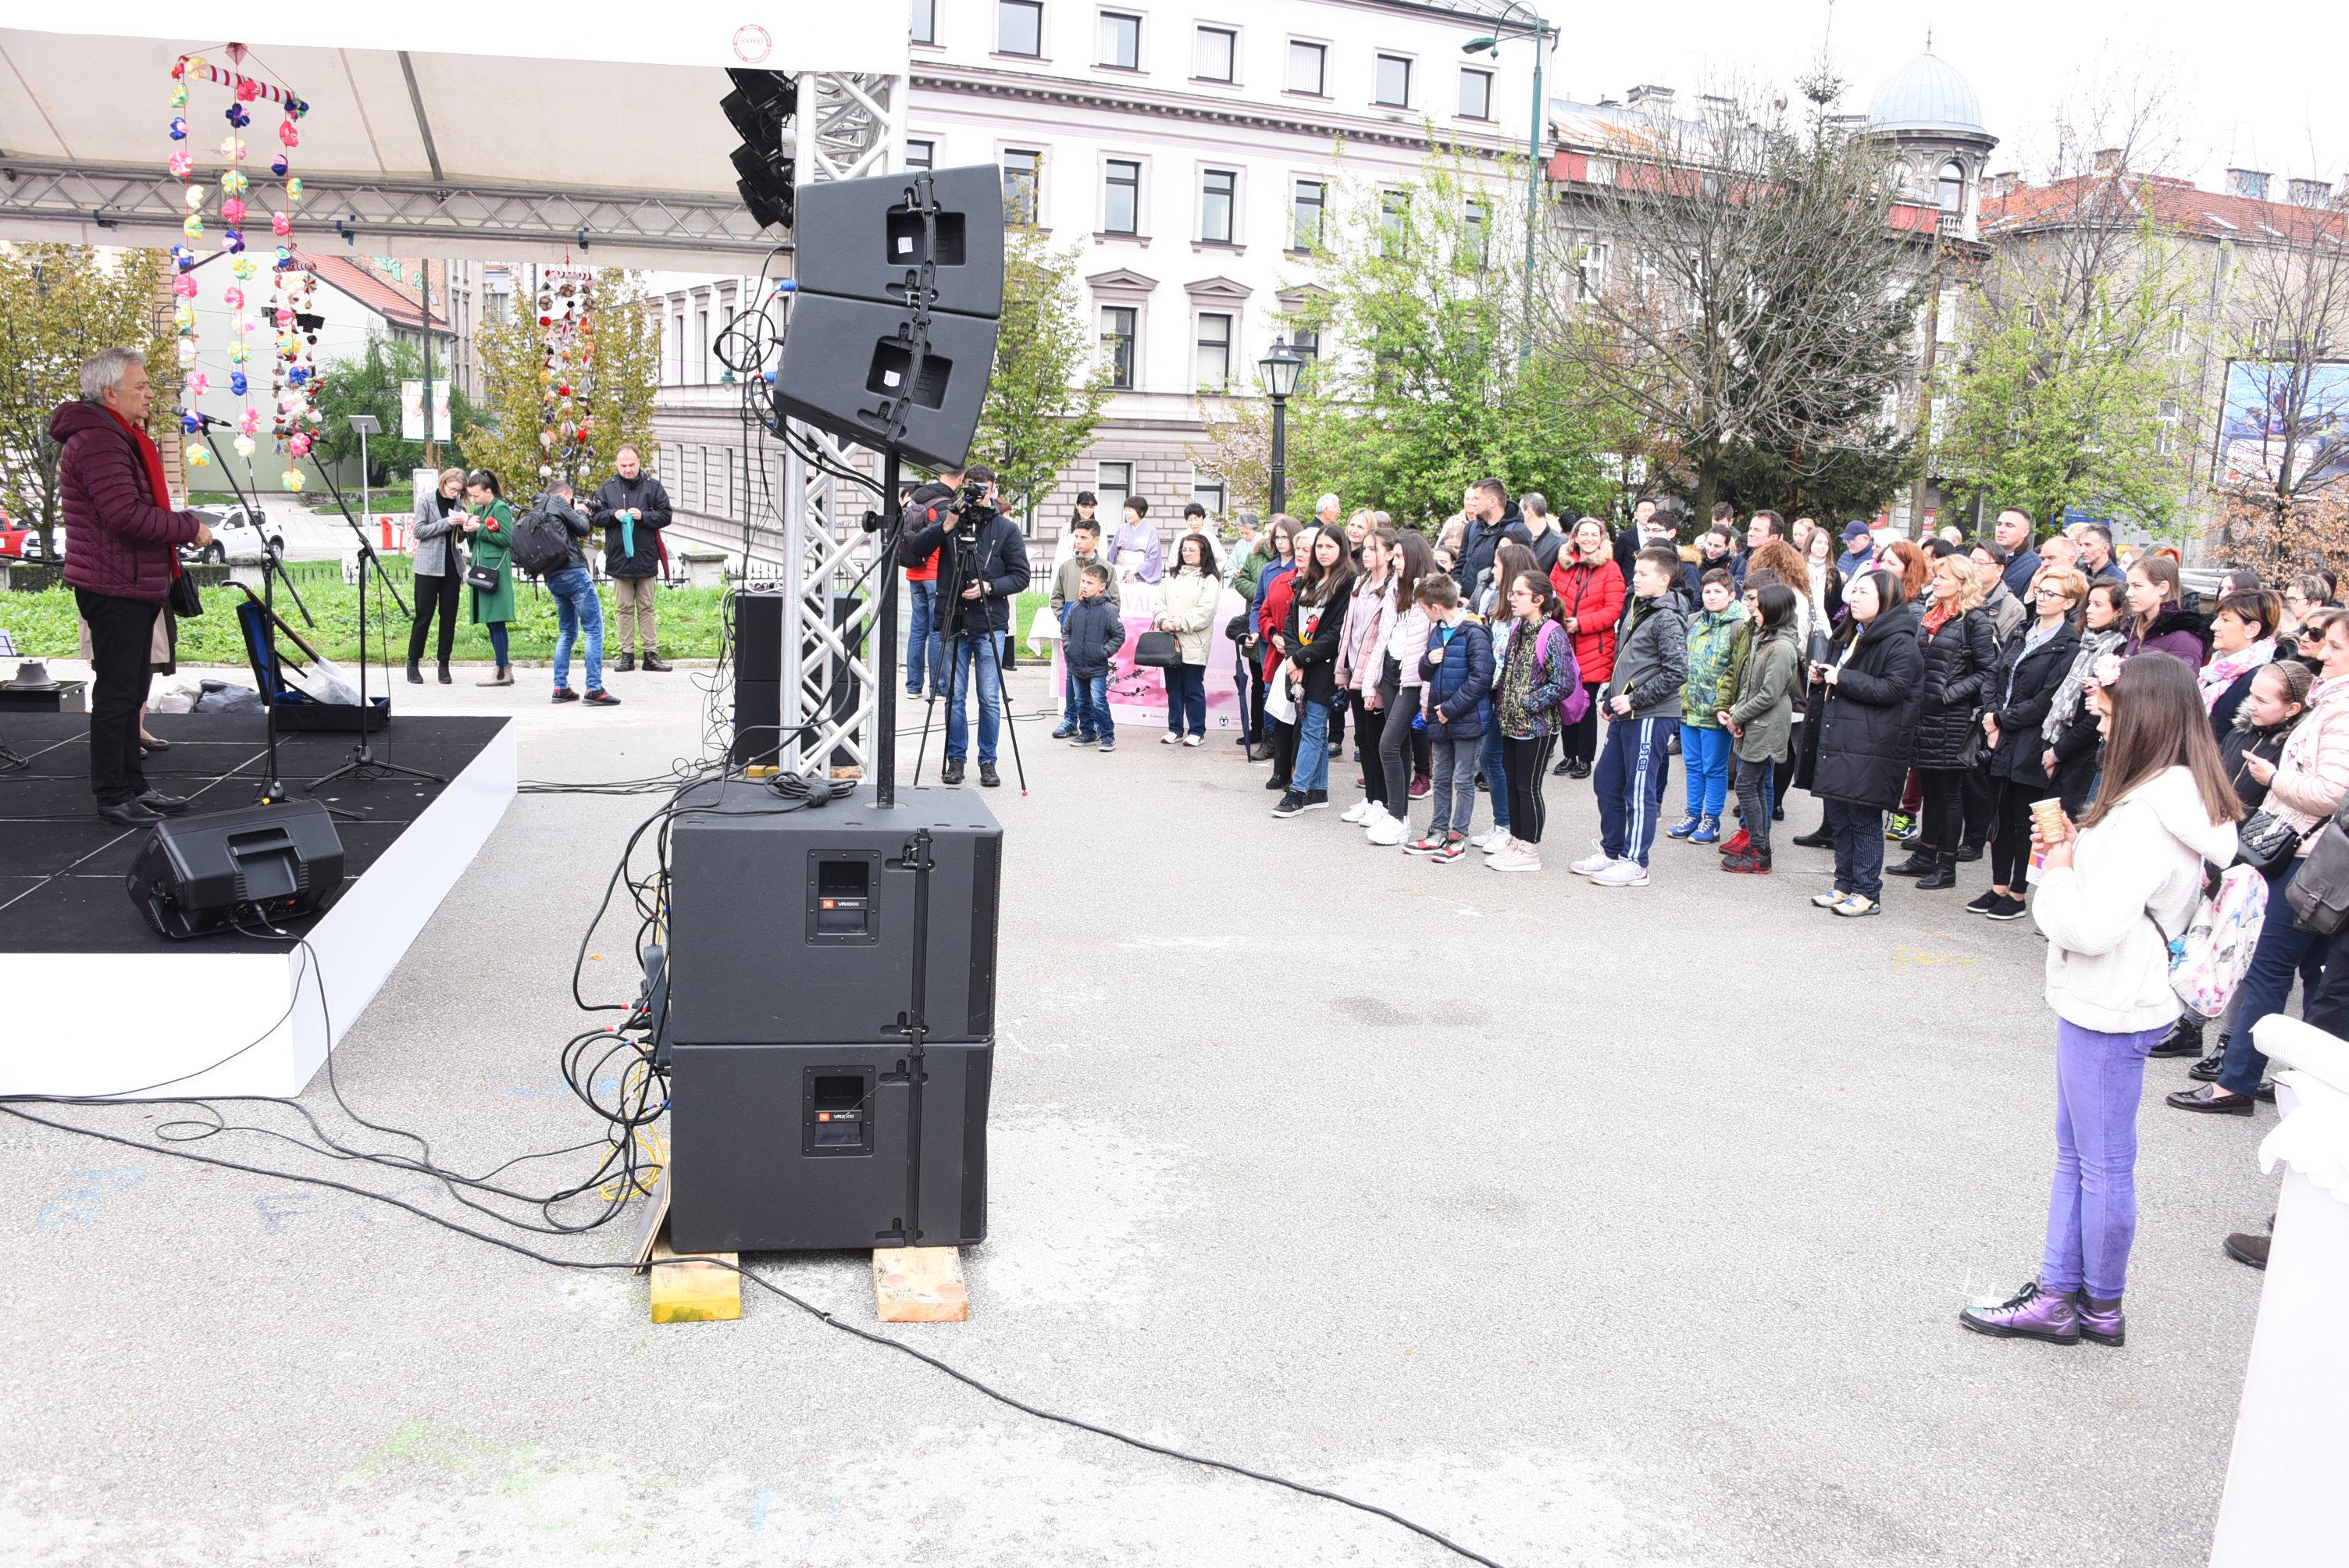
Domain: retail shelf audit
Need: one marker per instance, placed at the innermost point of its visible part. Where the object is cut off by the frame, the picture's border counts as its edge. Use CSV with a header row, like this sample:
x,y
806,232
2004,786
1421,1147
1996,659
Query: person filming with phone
x,y
982,568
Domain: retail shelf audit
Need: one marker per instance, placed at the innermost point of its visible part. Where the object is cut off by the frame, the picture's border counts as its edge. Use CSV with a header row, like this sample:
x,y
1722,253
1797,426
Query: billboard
x,y
2275,404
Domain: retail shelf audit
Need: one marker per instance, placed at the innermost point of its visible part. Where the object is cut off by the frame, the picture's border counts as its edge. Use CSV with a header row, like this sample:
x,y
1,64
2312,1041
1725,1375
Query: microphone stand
x,y
272,789
364,764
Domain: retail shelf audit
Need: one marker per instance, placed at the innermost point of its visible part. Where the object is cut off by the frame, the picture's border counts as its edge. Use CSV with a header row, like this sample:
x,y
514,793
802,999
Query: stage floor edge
x,y
206,1020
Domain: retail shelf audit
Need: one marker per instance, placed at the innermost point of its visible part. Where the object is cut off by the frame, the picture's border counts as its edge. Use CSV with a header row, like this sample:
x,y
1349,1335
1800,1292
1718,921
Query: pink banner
x,y
1137,695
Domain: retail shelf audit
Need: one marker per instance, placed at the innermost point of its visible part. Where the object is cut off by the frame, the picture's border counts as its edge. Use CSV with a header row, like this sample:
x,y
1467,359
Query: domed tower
x,y
1930,112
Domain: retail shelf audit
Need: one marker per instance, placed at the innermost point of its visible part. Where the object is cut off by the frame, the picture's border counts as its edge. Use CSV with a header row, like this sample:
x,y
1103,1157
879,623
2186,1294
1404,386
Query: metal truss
x,y
851,126
147,205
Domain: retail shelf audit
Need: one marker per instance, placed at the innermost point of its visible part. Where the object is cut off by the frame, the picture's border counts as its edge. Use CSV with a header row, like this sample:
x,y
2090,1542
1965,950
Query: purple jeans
x,y
2091,1213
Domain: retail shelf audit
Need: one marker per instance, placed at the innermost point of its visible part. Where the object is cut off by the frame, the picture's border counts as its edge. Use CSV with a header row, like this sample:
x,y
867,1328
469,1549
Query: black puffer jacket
x,y
1871,716
2020,692
1958,658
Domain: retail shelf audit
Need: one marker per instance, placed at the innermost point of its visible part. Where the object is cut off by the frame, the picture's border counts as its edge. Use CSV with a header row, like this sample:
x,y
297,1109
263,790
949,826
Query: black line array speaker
x,y
875,292
208,872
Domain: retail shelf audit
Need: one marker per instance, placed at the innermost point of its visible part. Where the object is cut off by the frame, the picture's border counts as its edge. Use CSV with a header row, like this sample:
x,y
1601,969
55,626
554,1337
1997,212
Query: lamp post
x,y
1278,370
1491,45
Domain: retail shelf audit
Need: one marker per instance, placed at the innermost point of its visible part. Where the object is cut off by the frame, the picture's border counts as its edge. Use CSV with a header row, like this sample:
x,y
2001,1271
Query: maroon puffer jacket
x,y
118,541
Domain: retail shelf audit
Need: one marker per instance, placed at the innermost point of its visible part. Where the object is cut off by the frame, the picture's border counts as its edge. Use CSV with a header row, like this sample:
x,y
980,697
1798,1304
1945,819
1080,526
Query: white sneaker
x,y
1193,740
1356,813
1591,865
1508,842
1170,738
1386,832
1517,857
1489,841
1828,899
1623,874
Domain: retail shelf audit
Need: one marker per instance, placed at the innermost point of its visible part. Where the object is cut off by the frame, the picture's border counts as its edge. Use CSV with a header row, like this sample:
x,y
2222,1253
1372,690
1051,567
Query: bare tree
x,y
1755,287
2285,329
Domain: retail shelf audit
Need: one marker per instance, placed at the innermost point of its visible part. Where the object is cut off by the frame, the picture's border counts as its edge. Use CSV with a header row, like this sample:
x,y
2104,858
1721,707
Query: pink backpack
x,y
1577,701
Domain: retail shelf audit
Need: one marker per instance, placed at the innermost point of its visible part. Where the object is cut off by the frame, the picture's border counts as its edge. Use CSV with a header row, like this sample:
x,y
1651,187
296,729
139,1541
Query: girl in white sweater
x,y
2112,893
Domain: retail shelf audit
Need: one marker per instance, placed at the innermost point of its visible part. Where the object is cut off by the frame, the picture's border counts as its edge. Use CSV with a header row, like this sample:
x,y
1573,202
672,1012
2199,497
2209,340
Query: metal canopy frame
x,y
850,126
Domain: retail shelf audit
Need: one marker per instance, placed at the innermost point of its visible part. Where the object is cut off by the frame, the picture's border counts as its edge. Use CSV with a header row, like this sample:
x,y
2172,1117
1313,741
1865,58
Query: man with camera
x,y
982,568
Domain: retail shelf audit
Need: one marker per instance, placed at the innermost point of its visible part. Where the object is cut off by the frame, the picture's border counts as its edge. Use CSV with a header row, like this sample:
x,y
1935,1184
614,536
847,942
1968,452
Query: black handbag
x,y
2319,893
481,579
184,598
1237,627
2265,843
1157,651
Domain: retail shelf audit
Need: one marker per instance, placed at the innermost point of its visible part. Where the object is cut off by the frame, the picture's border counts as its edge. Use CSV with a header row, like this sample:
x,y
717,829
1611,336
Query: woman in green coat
x,y
1761,719
489,527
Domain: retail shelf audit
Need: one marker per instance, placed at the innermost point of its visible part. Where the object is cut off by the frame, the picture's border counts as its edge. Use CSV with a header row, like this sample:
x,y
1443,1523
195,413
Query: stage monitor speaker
x,y
803,1147
847,365
863,239
798,927
759,633
215,870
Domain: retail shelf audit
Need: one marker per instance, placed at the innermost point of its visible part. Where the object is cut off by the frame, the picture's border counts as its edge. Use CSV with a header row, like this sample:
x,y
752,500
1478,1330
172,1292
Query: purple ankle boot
x,y
2101,1320
2031,1314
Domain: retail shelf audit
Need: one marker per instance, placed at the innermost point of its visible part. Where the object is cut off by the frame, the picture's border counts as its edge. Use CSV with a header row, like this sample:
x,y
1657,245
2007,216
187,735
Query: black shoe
x,y
1581,769
415,676
624,663
1565,768
2213,1101
446,678
164,805
564,694
2265,1092
1944,876
1819,839
1985,902
2208,1069
1280,784
1918,862
599,698
1289,805
2245,1248
2007,908
2184,1039
129,813
952,772
655,663
1969,853
989,778
1317,800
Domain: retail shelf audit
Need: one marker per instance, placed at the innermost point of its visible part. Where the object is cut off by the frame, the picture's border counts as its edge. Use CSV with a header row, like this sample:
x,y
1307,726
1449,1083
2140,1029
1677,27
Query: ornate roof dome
x,y
1927,95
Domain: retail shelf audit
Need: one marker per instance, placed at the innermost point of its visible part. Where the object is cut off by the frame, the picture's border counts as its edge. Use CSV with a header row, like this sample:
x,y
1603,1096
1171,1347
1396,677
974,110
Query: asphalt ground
x,y
1584,1227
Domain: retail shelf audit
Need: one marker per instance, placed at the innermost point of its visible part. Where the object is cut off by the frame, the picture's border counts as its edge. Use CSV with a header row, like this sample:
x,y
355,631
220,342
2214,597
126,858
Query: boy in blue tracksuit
x,y
1642,703
1457,675
1092,629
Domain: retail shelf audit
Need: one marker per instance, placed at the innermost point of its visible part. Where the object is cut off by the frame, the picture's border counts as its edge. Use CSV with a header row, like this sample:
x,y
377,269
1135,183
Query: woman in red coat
x,y
1590,601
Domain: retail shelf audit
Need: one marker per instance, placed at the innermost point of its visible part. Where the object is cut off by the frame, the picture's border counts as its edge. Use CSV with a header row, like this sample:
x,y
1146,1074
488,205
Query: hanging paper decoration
x,y
233,183
566,311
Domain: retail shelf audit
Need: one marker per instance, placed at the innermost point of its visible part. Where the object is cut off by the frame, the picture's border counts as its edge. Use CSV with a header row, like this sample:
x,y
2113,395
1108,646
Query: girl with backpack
x,y
489,527
1537,691
2111,892
1760,720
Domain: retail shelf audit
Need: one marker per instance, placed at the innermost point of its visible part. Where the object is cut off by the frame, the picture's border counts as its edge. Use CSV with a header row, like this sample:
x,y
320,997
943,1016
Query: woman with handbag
x,y
440,568
1867,729
1308,646
2015,703
2073,731
2110,890
1187,611
1362,667
2304,788
1961,652
1590,597
489,525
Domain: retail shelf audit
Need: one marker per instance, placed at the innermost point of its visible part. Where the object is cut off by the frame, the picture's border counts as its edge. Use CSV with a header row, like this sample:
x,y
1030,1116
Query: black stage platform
x,y
61,867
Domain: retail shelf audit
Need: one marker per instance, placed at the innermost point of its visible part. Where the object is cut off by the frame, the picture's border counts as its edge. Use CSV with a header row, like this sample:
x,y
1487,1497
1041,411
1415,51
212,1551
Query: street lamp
x,y
1278,370
1491,45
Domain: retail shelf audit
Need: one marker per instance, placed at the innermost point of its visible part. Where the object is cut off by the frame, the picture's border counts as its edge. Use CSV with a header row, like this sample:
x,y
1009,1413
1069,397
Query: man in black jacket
x,y
982,568
632,508
1492,518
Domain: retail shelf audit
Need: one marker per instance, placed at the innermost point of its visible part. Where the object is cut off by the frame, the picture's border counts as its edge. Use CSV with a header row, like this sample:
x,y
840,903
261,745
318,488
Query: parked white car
x,y
237,535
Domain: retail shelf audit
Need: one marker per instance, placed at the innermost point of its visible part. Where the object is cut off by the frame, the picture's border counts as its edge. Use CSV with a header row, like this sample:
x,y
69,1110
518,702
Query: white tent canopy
x,y
594,133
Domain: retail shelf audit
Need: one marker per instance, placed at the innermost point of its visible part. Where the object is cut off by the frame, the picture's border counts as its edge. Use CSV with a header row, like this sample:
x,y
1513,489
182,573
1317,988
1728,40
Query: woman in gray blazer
x,y
440,569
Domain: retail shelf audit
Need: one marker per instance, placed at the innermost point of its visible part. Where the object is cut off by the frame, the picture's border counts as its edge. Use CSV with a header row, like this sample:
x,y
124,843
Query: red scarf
x,y
1939,615
159,488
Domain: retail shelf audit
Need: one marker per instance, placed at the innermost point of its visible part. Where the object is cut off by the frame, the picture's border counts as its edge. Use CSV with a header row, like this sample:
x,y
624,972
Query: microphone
x,y
210,422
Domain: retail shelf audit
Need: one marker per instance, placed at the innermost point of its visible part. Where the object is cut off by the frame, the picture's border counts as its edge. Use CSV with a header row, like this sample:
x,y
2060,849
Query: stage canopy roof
x,y
591,134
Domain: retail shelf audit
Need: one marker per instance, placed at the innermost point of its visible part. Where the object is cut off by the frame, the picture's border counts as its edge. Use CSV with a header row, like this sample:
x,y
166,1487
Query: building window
x,y
1951,193
1306,341
1215,51
1393,85
1475,95
1117,329
1112,482
2165,439
1307,67
1019,27
925,21
1122,197
1209,493
1590,269
1212,365
1121,41
921,154
1476,235
1216,188
1306,207
1023,176
1394,223
701,338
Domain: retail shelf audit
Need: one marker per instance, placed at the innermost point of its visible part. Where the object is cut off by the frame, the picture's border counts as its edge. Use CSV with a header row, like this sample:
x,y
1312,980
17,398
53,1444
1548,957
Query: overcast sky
x,y
2256,87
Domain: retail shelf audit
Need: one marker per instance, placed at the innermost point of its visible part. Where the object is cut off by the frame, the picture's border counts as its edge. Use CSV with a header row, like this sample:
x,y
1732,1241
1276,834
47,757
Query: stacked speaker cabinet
x,y
899,282
759,675
831,1019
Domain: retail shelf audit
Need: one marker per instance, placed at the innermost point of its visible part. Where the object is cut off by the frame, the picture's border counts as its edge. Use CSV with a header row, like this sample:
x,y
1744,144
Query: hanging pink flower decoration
x,y
232,210
180,165
247,89
249,421
287,134
300,445
232,297
184,285
280,224
198,384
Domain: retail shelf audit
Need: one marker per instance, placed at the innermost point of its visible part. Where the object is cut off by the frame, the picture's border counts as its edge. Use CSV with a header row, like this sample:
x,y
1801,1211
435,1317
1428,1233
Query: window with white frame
x,y
1212,361
1307,342
1308,68
1218,197
1476,236
2165,439
1476,93
1121,41
1209,493
1394,223
1392,86
1591,272
1215,55
677,350
925,21
701,343
1118,323
1019,27
1113,483
1308,203
921,153
1023,171
1122,196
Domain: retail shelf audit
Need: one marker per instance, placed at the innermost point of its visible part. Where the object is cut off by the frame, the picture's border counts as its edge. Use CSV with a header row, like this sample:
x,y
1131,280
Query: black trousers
x,y
434,591
121,640
1945,806
2010,851
1582,735
1980,802
1369,729
1525,762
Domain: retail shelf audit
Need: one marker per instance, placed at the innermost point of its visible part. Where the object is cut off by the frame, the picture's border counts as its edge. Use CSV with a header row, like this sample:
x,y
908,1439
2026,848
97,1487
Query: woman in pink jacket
x,y
1362,664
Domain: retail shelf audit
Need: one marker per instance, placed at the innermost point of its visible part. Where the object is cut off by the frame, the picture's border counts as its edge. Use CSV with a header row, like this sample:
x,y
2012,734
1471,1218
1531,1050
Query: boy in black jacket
x,y
1091,632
